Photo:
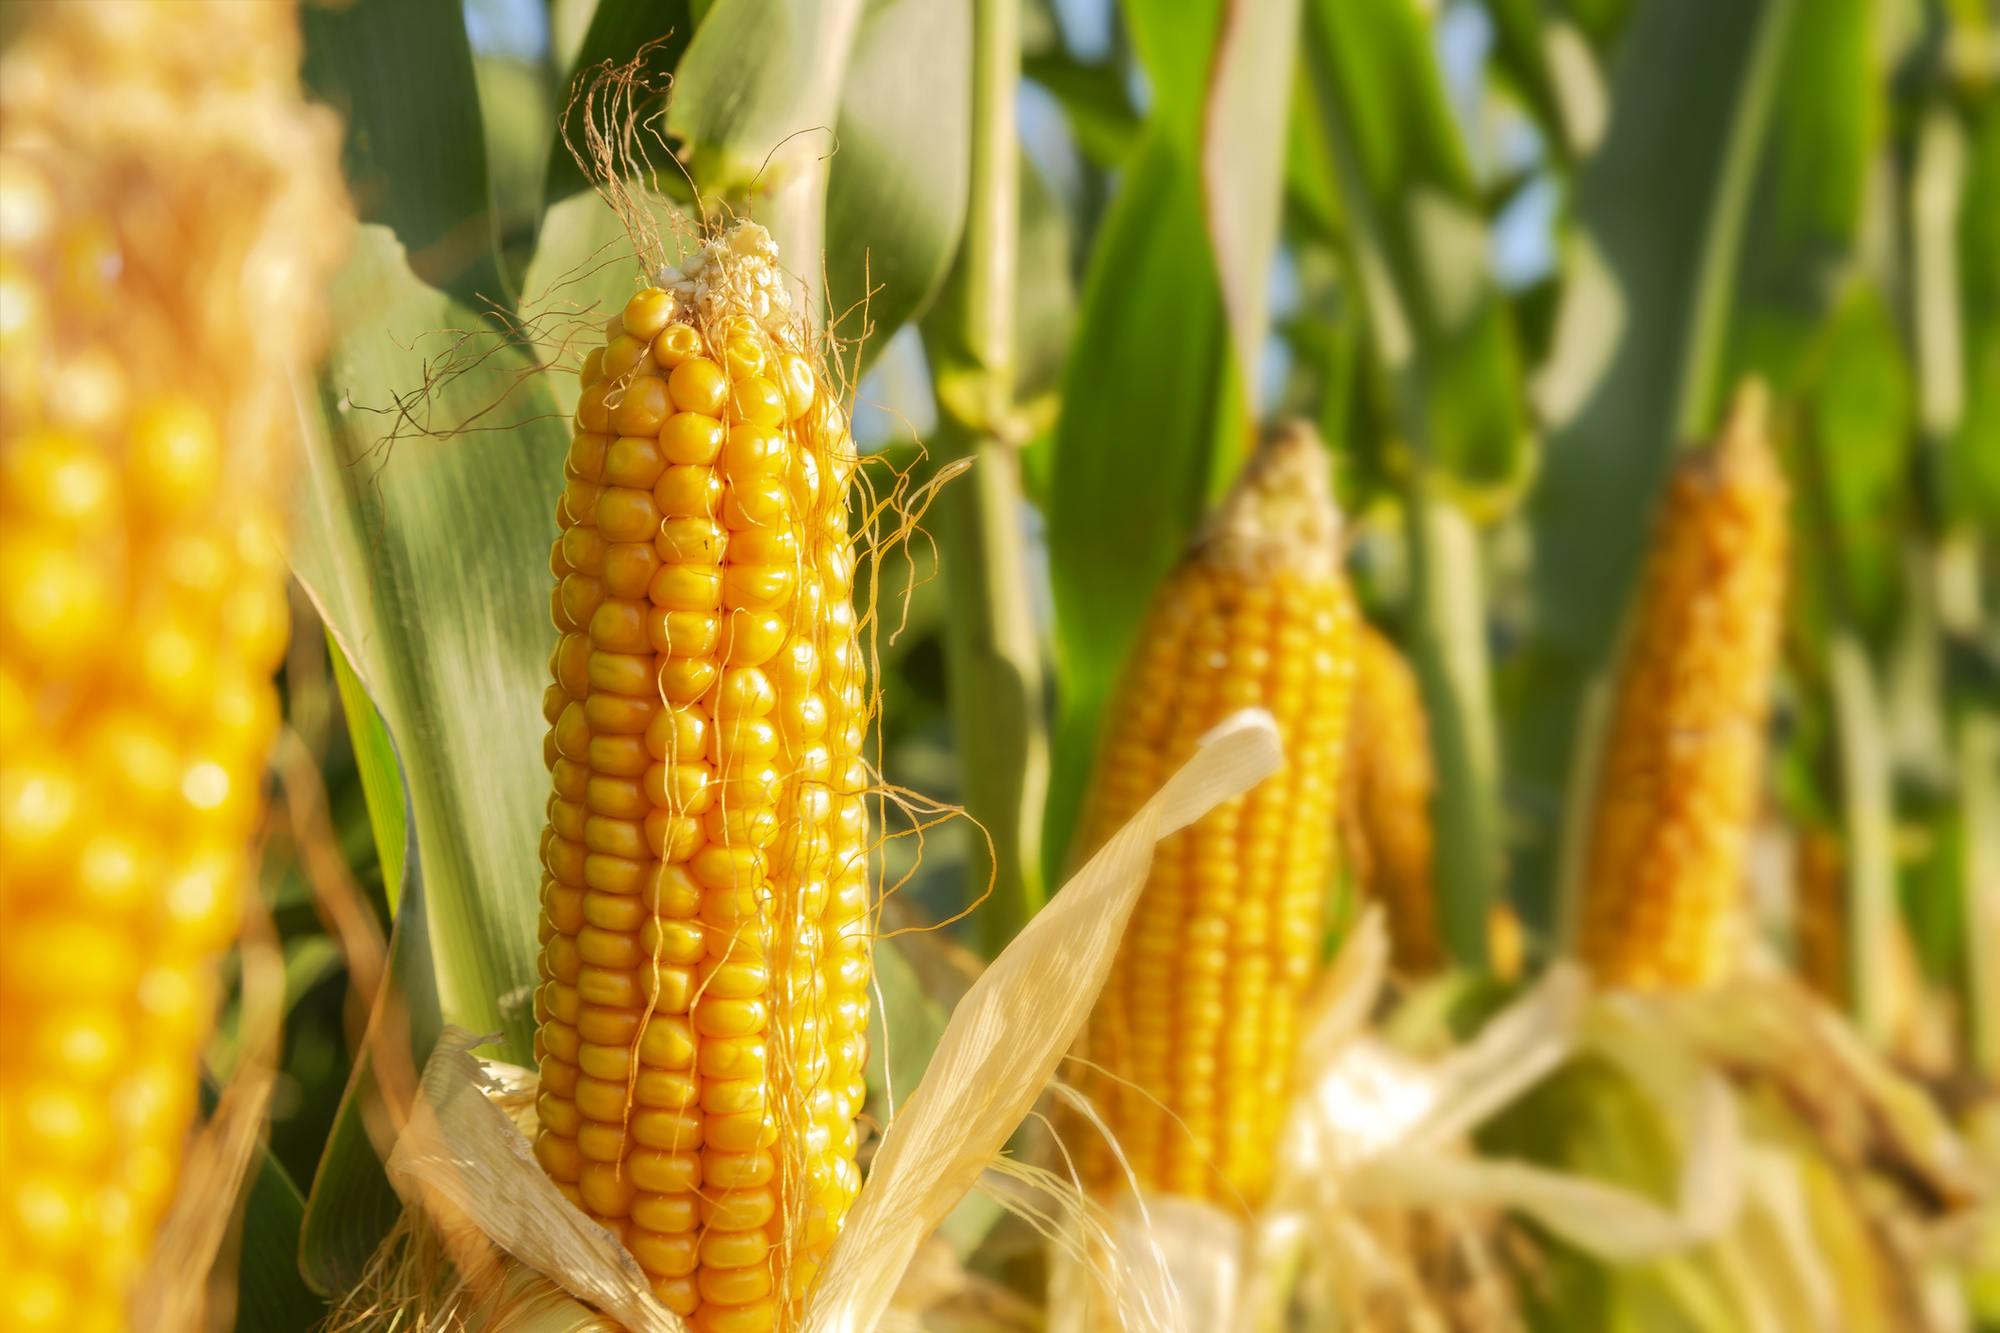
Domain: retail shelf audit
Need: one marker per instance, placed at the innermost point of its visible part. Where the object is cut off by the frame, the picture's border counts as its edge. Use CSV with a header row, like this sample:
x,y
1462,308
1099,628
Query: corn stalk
x,y
993,652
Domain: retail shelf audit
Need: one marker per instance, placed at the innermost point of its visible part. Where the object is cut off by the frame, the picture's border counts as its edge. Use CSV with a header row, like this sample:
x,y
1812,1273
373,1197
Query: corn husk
x,y
1383,1209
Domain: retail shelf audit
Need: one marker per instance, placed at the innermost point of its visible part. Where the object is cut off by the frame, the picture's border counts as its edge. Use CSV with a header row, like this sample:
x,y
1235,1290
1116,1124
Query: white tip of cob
x,y
735,274
1281,513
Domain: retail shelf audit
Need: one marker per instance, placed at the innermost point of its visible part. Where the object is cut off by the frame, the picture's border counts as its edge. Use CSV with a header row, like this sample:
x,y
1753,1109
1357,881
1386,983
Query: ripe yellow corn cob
x,y
1195,1029
1388,814
1819,916
1677,787
702,1023
168,209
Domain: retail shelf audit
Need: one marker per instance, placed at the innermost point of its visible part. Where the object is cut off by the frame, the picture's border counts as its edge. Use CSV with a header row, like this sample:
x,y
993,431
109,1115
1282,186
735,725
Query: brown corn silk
x,y
1190,1045
169,208
705,926
1661,894
1388,805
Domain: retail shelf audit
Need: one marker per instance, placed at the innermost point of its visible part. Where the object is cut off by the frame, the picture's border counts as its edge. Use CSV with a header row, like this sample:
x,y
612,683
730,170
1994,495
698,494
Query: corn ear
x,y
1387,814
1661,896
1192,1038
702,1022
169,208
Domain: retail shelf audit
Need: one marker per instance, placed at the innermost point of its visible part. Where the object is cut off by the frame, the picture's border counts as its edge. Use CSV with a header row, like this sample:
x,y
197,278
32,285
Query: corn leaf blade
x,y
400,74
351,1206
1153,423
426,555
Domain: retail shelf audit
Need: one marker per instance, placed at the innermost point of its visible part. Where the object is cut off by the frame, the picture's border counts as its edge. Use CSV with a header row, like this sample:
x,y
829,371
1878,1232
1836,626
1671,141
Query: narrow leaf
x,y
351,1206
1243,161
896,187
1386,152
1154,423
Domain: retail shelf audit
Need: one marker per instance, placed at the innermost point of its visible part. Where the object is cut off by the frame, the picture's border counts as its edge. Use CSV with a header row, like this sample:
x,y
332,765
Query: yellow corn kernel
x,y
169,210
1194,1031
1660,898
1387,804
717,978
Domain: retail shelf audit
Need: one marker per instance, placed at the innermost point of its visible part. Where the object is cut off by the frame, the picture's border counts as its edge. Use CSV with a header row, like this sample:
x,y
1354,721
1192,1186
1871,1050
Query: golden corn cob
x,y
1388,801
1662,875
168,209
1819,915
1194,1031
702,1026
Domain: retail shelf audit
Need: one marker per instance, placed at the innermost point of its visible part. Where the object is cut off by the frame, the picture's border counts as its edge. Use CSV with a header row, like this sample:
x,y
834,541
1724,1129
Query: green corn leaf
x,y
427,554
400,74
1380,152
351,1206
1154,422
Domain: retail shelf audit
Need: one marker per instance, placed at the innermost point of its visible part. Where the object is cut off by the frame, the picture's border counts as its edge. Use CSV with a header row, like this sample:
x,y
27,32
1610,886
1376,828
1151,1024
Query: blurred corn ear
x,y
1194,1034
1659,898
169,208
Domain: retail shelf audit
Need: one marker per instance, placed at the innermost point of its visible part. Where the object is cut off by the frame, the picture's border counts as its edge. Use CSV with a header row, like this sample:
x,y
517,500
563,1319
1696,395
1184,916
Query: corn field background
x,y
1509,259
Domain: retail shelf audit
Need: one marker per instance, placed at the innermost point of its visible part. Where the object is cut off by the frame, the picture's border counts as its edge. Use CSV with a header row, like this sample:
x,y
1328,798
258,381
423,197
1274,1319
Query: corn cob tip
x,y
1281,514
1743,442
735,272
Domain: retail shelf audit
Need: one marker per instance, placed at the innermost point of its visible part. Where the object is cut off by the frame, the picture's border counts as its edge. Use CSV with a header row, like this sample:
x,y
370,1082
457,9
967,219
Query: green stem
x,y
1449,644
1867,813
993,651
1979,803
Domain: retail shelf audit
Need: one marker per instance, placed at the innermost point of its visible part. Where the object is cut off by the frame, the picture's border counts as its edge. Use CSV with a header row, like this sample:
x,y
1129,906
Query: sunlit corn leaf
x,y
351,1205
896,186
873,95
1659,210
1176,41
1384,150
758,89
1153,422
400,74
1243,162
1827,123
427,517
515,106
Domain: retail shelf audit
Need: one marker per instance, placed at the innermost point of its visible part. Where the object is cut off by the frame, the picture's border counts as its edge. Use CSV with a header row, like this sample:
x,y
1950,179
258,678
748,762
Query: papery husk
x,y
1383,1218
1853,1192
473,1190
